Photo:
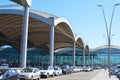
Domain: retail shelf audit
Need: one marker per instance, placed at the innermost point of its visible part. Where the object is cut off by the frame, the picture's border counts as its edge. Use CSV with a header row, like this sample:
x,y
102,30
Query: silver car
x,y
29,74
10,74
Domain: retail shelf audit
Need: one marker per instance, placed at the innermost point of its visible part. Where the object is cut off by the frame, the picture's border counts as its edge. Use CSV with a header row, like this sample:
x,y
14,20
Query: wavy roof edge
x,y
44,14
105,46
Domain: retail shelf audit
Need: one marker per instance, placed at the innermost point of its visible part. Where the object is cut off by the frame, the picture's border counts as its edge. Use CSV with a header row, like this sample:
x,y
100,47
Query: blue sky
x,y
85,17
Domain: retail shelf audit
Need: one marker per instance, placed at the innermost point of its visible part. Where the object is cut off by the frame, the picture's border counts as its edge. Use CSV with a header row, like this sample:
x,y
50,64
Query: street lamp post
x,y
106,38
108,31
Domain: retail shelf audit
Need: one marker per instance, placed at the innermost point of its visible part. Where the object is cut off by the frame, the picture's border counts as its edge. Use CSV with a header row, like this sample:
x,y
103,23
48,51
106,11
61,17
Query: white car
x,y
47,71
74,69
58,71
80,68
30,73
87,69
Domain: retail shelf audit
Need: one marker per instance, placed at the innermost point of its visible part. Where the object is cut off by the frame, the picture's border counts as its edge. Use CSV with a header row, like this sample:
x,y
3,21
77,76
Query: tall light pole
x,y
105,39
108,31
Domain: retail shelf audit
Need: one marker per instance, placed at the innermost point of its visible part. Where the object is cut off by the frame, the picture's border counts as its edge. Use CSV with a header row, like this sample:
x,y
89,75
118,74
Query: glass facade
x,y
67,59
37,57
10,56
101,56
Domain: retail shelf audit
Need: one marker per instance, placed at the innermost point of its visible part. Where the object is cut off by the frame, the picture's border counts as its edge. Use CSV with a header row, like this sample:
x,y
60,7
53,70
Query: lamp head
x,y
99,5
117,4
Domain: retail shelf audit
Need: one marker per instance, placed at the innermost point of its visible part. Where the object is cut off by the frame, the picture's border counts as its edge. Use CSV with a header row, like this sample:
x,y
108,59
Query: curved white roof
x,y
106,46
79,40
39,28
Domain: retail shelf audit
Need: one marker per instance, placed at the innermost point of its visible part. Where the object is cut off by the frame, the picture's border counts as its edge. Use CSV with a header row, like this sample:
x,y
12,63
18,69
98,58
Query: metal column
x,y
74,49
52,45
88,58
25,36
83,57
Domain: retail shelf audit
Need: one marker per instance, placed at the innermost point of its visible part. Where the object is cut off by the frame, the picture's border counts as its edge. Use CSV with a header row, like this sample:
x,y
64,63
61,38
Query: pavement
x,y
100,74
75,76
103,75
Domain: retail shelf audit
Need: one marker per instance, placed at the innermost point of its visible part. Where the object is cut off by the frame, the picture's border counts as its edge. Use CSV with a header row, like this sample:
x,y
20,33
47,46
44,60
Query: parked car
x,y
4,65
87,68
115,69
74,69
80,68
58,71
47,71
8,74
66,69
29,73
118,75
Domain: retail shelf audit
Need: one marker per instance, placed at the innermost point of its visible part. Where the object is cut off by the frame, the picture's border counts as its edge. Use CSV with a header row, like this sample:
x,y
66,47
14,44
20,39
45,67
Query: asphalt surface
x,y
103,75
75,76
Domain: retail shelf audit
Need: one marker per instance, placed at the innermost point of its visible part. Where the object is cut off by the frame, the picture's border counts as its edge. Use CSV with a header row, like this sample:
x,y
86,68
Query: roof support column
x,y
84,57
74,49
52,43
88,58
25,36
92,59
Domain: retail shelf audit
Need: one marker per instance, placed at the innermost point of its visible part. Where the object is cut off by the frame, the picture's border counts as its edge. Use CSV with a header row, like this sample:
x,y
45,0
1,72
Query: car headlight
x,y
29,76
1,77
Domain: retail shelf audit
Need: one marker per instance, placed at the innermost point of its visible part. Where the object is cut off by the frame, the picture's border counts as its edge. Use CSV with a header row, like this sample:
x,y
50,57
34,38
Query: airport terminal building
x,y
46,34
49,38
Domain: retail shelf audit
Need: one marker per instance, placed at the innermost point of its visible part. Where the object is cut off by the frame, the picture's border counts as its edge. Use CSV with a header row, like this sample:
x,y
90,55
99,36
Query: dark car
x,y
10,74
115,70
118,75
66,69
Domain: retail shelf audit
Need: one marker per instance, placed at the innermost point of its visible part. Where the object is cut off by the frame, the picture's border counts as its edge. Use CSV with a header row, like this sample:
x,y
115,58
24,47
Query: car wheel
x,y
66,72
31,78
58,74
47,76
53,75
38,78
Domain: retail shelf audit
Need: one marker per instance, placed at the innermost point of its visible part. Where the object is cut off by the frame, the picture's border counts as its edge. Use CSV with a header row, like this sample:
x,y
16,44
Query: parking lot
x,y
75,76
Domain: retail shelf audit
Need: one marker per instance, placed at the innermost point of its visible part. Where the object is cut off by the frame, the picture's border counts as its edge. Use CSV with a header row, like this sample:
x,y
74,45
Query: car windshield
x,y
118,66
45,68
27,70
63,67
55,68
